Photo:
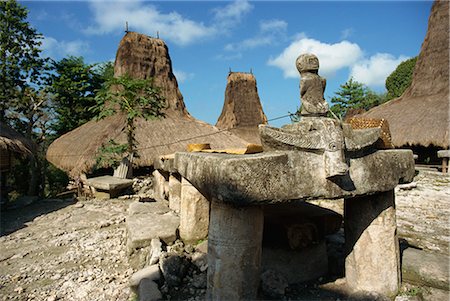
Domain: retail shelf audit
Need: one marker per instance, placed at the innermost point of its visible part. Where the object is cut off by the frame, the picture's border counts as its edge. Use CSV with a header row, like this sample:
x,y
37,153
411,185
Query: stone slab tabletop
x,y
109,183
280,176
445,153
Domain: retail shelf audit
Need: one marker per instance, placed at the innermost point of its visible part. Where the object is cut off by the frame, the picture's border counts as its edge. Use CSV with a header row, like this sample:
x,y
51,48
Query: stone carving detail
x,y
315,132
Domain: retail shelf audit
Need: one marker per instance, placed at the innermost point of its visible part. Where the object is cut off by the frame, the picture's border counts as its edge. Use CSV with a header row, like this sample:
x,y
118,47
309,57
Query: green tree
x,y
73,87
355,95
21,67
23,105
350,95
400,78
135,98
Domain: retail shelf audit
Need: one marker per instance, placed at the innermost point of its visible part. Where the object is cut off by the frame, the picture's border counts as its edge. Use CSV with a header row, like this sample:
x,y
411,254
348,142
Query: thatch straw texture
x,y
242,110
141,57
12,141
421,115
76,151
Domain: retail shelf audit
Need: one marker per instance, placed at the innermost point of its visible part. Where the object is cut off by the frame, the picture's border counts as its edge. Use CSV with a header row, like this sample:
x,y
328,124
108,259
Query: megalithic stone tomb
x,y
316,158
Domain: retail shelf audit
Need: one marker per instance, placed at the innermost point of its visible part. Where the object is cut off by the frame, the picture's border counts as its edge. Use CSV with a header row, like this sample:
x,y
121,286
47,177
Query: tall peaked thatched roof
x,y
13,141
242,111
141,57
421,115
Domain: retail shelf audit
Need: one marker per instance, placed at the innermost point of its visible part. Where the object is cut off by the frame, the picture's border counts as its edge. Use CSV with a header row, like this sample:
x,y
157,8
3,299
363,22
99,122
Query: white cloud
x,y
146,18
332,57
270,32
232,13
374,70
54,48
182,76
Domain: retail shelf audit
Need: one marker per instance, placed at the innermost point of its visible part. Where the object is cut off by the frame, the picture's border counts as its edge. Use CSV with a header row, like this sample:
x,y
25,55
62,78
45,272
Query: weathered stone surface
x,y
159,182
373,260
155,251
136,208
272,177
234,252
194,213
109,183
142,228
174,192
443,153
425,268
297,265
150,272
148,291
312,85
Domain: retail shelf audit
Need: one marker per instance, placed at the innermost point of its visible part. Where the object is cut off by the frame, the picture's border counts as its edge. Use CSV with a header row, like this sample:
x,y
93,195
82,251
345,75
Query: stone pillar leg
x,y
174,192
194,213
373,259
234,252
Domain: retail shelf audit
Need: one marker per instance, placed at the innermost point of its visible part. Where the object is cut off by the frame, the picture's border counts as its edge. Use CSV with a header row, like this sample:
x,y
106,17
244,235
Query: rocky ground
x,y
76,250
64,250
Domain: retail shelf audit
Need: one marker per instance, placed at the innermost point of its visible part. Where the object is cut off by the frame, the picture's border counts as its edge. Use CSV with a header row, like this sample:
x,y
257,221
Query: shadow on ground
x,y
16,217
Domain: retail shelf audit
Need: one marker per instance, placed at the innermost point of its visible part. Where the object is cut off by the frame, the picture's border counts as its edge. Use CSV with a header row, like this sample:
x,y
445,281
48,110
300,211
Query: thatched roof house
x,y
420,117
141,57
242,111
12,143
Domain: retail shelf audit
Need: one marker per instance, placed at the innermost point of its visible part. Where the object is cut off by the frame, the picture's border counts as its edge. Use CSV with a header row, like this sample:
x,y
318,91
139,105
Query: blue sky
x,y
363,39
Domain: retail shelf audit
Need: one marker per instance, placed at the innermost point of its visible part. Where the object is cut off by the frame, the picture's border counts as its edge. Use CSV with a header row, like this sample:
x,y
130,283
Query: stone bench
x,y
237,187
445,155
108,186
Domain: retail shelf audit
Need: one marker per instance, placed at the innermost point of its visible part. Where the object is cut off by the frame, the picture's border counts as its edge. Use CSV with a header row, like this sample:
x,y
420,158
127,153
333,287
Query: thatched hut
x,y
12,144
242,110
420,117
141,57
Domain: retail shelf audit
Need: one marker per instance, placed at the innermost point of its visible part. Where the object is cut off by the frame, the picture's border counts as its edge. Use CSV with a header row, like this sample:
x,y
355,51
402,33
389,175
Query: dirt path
x,y
63,250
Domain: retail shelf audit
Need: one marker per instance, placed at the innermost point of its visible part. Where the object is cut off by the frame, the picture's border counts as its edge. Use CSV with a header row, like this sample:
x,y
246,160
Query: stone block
x,y
151,272
137,208
373,260
175,192
273,177
194,213
425,268
297,265
148,291
159,185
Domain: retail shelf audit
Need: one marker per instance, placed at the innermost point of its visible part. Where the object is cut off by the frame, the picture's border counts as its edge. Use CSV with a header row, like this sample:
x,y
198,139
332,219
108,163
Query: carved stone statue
x,y
312,86
315,132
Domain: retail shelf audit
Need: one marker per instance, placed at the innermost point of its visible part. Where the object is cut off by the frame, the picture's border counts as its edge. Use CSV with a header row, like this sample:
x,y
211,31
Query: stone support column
x,y
174,192
373,259
194,213
159,182
234,252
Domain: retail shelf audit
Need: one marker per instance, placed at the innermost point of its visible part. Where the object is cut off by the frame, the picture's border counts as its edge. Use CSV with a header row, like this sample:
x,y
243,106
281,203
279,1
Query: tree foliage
x,y
73,86
135,98
355,95
400,79
21,67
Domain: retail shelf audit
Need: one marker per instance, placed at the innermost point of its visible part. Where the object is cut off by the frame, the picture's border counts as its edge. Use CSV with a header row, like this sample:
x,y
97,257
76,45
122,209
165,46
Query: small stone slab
x,y
280,176
443,153
136,208
109,183
142,228
425,268
150,272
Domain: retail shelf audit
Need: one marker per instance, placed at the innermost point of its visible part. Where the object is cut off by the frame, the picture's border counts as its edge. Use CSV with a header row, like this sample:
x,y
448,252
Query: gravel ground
x,y
64,250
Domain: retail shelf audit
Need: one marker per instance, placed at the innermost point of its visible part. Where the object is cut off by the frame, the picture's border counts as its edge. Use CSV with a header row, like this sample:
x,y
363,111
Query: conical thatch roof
x,y
12,141
421,115
141,57
242,111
